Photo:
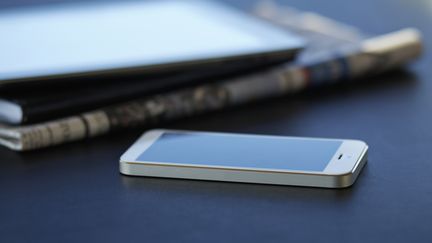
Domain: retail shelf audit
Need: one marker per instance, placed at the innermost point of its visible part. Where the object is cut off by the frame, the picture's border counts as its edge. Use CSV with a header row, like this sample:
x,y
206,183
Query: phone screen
x,y
244,151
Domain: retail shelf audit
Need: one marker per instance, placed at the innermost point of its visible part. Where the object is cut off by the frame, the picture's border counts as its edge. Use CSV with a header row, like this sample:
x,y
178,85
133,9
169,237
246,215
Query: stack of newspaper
x,y
335,52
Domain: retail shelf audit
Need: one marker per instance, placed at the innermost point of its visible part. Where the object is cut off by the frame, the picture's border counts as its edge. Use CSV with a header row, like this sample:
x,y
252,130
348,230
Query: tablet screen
x,y
81,38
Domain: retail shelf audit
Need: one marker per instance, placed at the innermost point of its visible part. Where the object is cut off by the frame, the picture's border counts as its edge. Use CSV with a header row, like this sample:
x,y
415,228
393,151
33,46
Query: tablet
x,y
75,40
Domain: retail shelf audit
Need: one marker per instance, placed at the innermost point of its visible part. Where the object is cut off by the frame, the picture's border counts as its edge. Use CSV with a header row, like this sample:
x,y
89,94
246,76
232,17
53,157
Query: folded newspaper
x,y
335,52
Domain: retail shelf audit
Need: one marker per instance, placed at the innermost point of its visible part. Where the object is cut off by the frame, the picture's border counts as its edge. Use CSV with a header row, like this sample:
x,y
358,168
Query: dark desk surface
x,y
74,192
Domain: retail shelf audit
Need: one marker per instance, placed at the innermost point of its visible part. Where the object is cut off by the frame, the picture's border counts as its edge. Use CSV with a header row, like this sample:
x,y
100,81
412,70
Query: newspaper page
x,y
335,52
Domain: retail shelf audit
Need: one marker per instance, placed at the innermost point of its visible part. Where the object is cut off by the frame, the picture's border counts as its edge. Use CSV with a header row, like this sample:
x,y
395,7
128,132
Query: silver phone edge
x,y
247,176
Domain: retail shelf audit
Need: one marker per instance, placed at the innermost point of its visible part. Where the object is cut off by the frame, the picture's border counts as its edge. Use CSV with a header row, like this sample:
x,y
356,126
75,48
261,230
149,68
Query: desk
x,y
74,193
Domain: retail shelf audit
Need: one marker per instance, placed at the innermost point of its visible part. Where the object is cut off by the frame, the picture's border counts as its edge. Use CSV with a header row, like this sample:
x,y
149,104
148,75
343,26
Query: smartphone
x,y
316,162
